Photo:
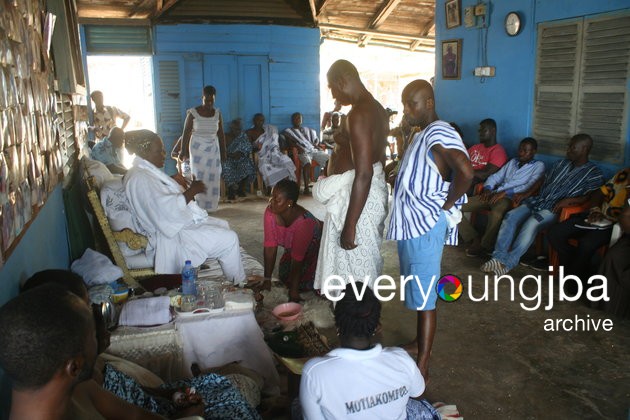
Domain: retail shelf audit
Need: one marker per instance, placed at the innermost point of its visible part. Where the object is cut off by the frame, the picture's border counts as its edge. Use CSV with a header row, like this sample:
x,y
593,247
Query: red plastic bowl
x,y
287,311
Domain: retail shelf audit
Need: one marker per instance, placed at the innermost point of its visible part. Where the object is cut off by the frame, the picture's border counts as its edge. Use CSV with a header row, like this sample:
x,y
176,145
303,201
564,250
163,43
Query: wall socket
x,y
484,71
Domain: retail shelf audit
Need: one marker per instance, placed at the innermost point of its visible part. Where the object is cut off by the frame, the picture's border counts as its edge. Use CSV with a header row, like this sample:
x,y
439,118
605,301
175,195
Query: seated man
x,y
273,165
107,151
565,185
593,228
89,400
306,141
47,347
121,389
177,228
502,190
488,156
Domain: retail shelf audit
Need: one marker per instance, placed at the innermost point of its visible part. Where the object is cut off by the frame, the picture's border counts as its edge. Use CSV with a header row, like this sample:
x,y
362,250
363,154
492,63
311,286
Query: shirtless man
x,y
354,231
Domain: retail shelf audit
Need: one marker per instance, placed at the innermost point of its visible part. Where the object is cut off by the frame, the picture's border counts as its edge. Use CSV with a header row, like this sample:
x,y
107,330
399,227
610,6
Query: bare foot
x,y
411,348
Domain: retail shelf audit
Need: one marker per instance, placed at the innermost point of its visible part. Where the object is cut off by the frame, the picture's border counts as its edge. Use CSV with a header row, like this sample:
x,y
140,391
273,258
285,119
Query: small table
x,y
210,340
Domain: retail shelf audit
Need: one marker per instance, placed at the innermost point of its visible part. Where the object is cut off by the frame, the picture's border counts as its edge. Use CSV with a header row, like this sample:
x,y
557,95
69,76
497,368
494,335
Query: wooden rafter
x,y
311,3
140,9
378,20
163,6
414,45
323,7
381,34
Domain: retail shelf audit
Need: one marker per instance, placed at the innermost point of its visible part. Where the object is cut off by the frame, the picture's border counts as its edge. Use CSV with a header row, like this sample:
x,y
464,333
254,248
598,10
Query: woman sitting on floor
x,y
348,380
293,227
177,228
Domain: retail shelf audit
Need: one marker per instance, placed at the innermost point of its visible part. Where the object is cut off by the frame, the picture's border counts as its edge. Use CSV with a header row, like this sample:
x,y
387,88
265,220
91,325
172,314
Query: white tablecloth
x,y
218,339
210,340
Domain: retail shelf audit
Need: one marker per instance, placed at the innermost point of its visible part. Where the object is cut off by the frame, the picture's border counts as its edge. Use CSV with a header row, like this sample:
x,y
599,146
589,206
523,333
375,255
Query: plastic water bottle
x,y
189,277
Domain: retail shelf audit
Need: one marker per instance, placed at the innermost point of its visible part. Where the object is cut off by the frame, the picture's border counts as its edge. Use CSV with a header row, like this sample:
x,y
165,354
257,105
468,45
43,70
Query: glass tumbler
x,y
189,303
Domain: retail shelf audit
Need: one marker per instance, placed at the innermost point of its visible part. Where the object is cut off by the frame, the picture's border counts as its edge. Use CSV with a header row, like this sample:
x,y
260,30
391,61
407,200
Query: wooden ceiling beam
x,y
323,7
384,13
115,22
380,42
429,27
141,8
392,35
378,20
165,6
311,3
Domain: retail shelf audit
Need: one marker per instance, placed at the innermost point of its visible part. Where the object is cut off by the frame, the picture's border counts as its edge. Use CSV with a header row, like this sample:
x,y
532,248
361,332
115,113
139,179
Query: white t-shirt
x,y
360,384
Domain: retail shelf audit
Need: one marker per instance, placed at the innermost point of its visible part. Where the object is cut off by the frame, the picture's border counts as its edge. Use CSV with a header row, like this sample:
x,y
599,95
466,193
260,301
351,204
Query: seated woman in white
x,y
360,379
177,228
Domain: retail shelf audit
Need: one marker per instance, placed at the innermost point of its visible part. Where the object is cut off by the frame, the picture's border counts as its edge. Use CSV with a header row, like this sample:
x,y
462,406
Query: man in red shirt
x,y
488,156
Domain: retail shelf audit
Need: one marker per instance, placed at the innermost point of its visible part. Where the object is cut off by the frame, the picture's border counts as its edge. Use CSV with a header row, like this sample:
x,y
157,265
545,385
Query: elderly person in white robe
x,y
176,226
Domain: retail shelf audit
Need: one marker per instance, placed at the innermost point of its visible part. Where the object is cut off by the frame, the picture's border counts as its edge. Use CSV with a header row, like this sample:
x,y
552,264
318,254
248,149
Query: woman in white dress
x,y
203,141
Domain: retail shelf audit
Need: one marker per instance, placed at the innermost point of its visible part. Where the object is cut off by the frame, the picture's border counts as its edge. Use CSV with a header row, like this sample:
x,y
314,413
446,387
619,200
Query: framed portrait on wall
x,y
451,59
453,13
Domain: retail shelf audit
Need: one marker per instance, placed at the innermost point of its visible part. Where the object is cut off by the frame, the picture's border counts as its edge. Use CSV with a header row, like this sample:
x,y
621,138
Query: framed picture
x,y
453,13
451,59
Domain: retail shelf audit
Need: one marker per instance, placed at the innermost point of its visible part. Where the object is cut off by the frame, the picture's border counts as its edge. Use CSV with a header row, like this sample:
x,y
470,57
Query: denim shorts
x,y
421,258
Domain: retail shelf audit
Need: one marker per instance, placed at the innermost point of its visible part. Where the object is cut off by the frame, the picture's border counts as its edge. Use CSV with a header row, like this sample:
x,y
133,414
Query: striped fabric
x,y
565,181
305,137
420,191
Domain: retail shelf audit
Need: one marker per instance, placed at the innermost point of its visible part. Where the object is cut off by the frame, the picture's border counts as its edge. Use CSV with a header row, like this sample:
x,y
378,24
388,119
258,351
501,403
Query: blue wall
x,y
293,62
43,246
507,97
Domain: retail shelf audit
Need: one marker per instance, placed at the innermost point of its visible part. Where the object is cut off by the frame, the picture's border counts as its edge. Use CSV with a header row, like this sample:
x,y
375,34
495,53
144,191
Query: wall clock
x,y
513,24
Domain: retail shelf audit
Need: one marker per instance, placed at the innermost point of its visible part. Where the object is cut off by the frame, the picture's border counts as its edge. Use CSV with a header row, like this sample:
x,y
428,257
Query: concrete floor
x,y
493,359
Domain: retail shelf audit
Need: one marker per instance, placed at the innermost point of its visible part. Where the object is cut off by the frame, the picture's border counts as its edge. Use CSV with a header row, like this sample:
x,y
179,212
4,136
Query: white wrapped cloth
x,y
365,260
178,231
96,268
146,311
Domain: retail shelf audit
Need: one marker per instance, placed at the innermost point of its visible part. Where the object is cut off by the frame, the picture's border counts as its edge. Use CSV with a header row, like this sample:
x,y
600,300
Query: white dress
x,y
205,158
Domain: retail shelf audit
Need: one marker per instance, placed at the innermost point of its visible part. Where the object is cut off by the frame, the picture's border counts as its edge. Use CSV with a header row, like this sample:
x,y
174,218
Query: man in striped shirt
x,y
566,185
502,190
430,188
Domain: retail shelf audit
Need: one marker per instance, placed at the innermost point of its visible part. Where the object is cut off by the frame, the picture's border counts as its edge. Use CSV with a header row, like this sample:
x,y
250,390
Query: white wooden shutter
x,y
557,72
603,101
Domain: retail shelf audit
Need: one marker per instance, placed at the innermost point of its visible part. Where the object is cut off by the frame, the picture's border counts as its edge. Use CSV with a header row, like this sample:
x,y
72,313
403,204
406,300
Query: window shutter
x,y
582,76
604,79
556,88
169,86
119,40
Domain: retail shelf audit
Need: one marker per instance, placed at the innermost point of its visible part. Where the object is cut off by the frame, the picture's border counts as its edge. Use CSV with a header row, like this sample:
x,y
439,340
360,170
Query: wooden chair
x,y
259,180
134,240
